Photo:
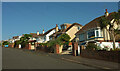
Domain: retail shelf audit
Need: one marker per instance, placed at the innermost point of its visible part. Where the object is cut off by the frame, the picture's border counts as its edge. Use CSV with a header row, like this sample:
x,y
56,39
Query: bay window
x,y
93,33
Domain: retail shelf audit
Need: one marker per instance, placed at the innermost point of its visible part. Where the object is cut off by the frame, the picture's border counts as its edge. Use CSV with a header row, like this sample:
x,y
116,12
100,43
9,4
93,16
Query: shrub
x,y
98,48
5,43
43,44
91,46
105,48
117,49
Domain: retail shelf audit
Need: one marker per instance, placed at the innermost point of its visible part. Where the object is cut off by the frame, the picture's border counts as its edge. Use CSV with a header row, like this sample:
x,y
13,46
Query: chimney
x,y
106,13
38,33
43,31
56,28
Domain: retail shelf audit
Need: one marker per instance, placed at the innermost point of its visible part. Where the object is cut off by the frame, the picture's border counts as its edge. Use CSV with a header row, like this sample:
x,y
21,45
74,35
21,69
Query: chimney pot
x,y
106,13
43,31
56,28
106,10
56,25
38,33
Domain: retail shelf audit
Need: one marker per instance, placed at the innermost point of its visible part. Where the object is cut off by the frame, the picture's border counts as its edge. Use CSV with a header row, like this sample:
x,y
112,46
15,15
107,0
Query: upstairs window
x,y
65,27
97,33
78,28
91,34
44,38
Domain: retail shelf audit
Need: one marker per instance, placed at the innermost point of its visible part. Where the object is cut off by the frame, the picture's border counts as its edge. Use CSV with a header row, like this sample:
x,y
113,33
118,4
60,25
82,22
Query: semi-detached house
x,y
92,31
44,37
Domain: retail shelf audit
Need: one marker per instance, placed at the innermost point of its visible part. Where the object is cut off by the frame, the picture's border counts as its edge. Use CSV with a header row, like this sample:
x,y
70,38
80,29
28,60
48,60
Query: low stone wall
x,y
113,56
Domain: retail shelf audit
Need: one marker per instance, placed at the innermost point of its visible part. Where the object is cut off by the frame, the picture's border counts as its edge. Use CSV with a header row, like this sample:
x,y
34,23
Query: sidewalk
x,y
100,64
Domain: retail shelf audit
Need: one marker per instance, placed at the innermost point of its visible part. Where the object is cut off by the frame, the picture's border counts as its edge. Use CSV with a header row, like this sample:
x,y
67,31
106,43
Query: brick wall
x,y
56,50
113,56
75,48
11,45
28,46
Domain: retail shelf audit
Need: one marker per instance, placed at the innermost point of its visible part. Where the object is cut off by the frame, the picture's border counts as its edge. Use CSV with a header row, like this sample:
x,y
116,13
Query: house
x,y
38,38
71,30
31,45
67,28
15,38
92,32
44,37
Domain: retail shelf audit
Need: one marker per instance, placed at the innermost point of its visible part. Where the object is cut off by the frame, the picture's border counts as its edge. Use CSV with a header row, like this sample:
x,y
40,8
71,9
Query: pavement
x,y
80,62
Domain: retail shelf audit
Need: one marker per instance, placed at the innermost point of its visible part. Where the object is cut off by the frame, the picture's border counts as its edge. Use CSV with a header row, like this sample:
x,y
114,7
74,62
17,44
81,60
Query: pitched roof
x,y
94,23
49,31
35,34
15,37
72,26
65,30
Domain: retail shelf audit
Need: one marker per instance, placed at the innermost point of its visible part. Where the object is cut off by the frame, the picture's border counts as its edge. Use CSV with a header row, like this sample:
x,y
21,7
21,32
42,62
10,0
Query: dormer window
x,y
63,26
78,28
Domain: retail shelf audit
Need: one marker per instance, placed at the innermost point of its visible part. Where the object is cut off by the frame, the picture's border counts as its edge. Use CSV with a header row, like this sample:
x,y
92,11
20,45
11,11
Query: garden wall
x,y
11,45
42,48
113,56
53,49
27,46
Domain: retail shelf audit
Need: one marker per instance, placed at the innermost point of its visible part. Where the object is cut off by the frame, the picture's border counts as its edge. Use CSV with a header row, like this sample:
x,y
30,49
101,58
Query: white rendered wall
x,y
108,44
50,33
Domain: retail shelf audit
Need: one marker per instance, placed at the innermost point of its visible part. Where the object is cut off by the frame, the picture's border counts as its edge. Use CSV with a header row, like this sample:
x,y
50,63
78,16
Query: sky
x,y
29,17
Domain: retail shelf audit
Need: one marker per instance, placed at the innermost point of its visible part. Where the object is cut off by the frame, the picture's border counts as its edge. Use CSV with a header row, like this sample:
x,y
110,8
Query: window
x,y
65,27
32,43
44,38
91,34
78,28
97,33
81,37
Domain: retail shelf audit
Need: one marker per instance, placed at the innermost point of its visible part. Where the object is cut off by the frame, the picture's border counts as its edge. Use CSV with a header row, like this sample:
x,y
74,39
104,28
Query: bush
x,y
43,44
91,46
5,43
117,49
106,48
98,48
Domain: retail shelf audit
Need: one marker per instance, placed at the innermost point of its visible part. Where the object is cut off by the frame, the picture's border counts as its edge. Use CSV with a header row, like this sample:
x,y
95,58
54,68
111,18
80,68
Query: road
x,y
19,59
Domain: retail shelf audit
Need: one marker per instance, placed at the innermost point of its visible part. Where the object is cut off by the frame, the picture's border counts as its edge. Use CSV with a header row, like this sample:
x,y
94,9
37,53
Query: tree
x,y
24,39
63,39
5,43
17,43
104,22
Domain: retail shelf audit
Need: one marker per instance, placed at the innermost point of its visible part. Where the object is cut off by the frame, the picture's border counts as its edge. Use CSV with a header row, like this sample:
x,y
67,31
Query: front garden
x,y
95,52
50,45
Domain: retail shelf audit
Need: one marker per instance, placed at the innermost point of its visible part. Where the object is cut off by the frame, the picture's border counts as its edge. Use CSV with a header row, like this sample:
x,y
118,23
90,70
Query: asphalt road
x,y
19,59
